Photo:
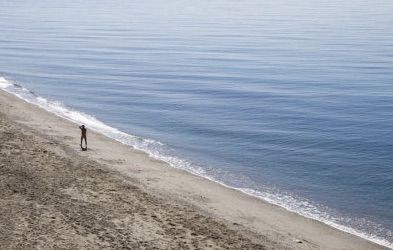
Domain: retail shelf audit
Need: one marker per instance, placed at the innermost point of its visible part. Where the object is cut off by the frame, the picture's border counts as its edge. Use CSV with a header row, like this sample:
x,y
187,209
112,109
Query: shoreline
x,y
276,225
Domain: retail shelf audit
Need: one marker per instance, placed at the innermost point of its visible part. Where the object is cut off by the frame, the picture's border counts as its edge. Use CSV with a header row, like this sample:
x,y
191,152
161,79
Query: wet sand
x,y
55,196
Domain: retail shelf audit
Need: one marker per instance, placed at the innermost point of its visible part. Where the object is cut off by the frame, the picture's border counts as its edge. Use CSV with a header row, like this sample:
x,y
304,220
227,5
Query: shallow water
x,y
285,100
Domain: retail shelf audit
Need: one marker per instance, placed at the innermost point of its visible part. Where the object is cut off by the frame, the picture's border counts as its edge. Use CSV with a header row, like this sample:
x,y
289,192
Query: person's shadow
x,y
84,149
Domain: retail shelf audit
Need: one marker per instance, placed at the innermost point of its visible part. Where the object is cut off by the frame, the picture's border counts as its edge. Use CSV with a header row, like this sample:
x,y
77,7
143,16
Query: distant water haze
x,y
289,101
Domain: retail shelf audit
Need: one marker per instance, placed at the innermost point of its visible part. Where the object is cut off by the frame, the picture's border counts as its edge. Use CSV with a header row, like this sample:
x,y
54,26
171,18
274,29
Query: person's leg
x,y
81,140
84,138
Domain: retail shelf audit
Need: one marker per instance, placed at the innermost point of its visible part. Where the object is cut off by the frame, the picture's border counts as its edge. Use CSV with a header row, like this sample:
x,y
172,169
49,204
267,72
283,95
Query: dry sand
x,y
54,196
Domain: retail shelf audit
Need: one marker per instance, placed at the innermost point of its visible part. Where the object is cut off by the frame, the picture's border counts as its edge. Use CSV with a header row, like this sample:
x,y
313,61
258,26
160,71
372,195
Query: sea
x,y
289,101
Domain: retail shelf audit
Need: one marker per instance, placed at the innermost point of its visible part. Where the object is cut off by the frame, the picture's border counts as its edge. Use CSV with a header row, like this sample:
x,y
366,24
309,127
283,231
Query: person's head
x,y
83,126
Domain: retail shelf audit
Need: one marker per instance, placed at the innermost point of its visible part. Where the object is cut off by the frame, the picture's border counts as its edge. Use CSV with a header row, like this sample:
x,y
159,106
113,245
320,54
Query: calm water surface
x,y
290,101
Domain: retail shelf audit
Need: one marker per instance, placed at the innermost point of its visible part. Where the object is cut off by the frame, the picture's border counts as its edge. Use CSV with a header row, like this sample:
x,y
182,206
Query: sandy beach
x,y
55,196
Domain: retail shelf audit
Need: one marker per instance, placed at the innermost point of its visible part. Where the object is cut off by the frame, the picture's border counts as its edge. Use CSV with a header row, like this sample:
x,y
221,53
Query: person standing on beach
x,y
83,136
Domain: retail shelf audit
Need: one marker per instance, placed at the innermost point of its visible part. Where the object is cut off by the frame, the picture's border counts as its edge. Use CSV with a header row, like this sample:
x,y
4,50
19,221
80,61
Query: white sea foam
x,y
157,150
4,83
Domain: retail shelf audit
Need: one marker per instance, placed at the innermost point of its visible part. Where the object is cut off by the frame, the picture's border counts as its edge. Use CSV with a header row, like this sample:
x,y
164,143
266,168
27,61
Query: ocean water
x,y
289,101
